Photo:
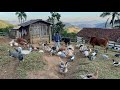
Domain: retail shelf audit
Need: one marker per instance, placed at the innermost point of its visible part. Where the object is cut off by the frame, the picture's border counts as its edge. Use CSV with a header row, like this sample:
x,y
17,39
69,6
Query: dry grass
x,y
83,66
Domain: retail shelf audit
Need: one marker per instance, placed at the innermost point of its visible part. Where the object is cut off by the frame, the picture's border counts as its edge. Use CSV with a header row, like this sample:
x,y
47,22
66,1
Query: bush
x,y
71,35
6,30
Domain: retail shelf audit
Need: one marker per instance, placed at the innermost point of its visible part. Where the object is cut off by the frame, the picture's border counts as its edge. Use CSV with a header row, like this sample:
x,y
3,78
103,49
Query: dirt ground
x,y
8,71
79,66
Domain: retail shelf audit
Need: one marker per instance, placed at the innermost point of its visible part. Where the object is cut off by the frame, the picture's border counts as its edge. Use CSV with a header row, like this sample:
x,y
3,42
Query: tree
x,y
21,16
112,15
57,25
117,23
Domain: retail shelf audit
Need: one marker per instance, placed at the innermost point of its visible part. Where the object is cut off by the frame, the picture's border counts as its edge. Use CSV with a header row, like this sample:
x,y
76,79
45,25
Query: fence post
x,y
114,44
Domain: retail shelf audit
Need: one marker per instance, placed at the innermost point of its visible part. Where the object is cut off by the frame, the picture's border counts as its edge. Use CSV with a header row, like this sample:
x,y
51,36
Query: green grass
x,y
106,69
4,59
33,61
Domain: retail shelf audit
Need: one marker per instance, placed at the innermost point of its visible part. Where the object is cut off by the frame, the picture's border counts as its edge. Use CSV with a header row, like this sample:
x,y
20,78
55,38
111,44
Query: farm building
x,y
112,34
33,31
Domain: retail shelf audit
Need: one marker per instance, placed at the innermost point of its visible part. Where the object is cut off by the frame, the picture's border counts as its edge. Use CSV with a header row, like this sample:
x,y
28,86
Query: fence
x,y
2,34
80,40
73,39
114,43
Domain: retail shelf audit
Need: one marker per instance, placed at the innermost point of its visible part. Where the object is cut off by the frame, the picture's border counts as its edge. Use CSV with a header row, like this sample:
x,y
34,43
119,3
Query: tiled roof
x,y
112,34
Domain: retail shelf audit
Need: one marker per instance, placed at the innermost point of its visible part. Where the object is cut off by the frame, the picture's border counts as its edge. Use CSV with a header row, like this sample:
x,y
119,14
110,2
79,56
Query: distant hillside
x,y
102,25
4,24
88,24
73,29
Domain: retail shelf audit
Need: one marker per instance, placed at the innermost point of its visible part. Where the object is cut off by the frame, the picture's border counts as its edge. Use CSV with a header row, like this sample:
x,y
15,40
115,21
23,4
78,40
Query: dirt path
x,y
50,72
8,71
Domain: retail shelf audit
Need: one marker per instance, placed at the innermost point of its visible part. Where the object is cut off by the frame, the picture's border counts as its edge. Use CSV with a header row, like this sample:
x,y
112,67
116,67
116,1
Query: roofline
x,y
34,22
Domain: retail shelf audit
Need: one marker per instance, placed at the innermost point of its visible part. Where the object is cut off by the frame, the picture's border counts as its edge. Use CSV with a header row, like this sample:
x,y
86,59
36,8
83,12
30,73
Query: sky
x,y
65,16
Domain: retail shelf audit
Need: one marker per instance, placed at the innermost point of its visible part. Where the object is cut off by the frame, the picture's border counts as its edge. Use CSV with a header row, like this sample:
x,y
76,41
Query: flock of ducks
x,y
87,52
63,53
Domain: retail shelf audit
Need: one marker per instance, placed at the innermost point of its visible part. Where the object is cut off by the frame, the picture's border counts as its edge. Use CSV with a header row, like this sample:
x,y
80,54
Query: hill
x,y
88,24
4,24
73,29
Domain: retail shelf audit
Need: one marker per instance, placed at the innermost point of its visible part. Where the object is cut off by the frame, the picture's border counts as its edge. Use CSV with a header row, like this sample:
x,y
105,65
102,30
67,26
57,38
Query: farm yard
x,y
60,48
38,65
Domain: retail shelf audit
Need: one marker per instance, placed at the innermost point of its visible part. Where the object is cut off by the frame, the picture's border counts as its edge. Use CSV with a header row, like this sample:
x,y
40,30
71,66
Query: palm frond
x,y
104,14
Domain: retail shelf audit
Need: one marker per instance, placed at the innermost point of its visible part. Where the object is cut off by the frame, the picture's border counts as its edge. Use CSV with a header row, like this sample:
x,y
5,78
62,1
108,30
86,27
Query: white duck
x,y
105,56
11,42
115,63
41,51
86,53
15,44
63,68
90,76
25,52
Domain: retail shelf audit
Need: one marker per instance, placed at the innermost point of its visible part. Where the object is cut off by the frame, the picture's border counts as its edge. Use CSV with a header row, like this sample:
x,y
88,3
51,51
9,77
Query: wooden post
x,y
30,35
114,44
50,36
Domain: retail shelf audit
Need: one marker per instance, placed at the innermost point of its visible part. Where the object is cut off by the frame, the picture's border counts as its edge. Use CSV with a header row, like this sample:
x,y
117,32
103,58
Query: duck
x,y
16,54
115,63
90,76
63,68
62,64
93,55
86,53
41,51
105,56
117,55
61,54
71,58
15,44
12,42
90,57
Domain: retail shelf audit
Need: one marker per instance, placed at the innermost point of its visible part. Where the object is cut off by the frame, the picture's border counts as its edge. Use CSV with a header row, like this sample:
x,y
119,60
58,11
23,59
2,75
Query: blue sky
x,y
66,16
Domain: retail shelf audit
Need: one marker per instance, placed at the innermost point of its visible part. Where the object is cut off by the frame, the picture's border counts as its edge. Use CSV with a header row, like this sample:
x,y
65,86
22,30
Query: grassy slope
x,y
80,66
85,66
4,24
33,61
72,29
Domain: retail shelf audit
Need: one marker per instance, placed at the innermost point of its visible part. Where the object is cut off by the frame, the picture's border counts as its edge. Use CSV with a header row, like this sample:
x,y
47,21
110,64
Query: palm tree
x,y
112,15
21,16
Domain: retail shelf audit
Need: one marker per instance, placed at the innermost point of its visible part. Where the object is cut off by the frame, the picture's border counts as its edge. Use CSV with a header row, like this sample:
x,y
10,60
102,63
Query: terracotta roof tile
x,y
112,34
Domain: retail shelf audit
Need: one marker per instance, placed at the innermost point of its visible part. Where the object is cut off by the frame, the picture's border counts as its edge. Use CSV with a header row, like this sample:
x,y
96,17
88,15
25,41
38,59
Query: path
x,y
51,71
8,71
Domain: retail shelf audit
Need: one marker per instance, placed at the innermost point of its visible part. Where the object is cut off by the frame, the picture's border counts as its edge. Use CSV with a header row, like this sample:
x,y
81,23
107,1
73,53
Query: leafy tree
x,y
57,25
117,23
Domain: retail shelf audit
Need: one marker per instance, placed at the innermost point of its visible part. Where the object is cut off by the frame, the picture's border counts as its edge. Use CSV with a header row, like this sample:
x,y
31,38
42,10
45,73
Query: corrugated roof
x,y
112,34
33,21
16,27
